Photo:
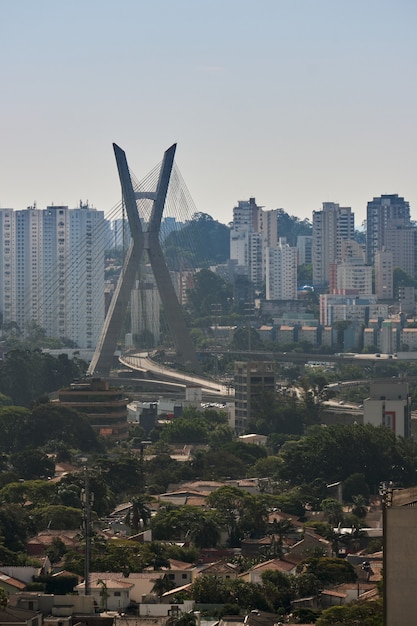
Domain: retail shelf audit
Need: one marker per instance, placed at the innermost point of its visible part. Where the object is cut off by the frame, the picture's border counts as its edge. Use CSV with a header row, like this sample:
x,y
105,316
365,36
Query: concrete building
x,y
407,299
384,268
331,226
281,272
354,278
335,307
105,406
52,271
252,379
380,214
389,405
400,238
400,555
304,249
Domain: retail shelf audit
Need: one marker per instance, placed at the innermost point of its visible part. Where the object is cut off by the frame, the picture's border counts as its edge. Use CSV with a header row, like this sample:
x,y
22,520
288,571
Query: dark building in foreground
x,y
105,406
252,379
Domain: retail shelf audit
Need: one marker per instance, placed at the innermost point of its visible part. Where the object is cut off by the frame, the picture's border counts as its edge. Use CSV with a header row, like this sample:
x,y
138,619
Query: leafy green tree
x,y
13,422
32,463
278,589
56,550
355,485
363,613
124,474
182,430
338,451
209,590
333,509
201,243
14,526
57,517
330,571
209,297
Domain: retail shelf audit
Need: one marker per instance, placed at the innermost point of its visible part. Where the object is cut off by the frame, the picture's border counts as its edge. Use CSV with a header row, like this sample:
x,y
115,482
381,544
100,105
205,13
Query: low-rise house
x,y
254,575
221,569
38,545
13,616
11,585
309,545
141,582
50,604
109,594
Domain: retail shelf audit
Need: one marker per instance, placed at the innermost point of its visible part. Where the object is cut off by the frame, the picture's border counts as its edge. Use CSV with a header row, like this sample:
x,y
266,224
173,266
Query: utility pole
x,y
86,501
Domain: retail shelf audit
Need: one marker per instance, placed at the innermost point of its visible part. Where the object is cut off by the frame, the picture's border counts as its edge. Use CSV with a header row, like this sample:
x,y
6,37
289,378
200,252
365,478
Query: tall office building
x,y
380,213
281,272
52,271
331,226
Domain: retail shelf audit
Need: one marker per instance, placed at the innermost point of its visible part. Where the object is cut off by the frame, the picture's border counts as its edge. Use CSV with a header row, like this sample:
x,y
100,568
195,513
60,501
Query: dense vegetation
x,y
201,243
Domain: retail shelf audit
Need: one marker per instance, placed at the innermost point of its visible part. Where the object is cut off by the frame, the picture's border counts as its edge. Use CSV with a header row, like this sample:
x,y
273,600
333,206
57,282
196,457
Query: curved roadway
x,y
143,363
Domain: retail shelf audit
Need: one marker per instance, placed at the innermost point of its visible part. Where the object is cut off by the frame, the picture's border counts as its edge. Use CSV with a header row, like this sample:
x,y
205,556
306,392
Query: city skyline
x,y
295,104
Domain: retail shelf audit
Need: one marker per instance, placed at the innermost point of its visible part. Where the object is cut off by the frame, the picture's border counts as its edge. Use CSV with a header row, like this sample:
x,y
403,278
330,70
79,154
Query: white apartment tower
x,y
331,226
354,277
281,272
7,266
52,271
246,240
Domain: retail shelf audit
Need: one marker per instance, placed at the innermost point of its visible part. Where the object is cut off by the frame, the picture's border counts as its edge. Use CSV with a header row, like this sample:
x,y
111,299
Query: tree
x,y
209,590
333,510
4,600
32,463
201,243
210,296
330,571
140,512
57,517
56,550
363,613
161,585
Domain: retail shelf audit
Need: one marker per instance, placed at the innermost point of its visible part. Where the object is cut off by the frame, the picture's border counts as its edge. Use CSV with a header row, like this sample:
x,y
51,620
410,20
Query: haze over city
x,y
295,103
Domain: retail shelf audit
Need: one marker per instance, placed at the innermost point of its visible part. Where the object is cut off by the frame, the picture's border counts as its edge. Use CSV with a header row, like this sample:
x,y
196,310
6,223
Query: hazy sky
x,y
293,102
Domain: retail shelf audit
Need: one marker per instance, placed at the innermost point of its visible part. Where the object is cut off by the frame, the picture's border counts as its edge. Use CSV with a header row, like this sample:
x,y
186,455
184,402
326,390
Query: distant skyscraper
x,y
331,226
384,285
304,249
380,215
52,271
281,272
246,241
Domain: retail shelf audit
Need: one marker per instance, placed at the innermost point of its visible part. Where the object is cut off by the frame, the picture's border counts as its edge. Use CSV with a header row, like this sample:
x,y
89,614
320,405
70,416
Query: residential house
x,y
13,616
254,575
109,594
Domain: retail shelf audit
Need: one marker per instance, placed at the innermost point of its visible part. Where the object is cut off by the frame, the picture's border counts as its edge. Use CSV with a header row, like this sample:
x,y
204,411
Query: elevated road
x,y
142,362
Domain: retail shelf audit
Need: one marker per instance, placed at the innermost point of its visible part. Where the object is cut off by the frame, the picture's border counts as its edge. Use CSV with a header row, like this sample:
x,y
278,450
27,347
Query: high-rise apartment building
x,y
52,271
304,249
281,272
354,278
380,214
247,241
331,226
384,282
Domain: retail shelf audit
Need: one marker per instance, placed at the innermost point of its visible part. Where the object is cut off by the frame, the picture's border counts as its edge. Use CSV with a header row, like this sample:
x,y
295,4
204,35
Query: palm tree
x,y
161,585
